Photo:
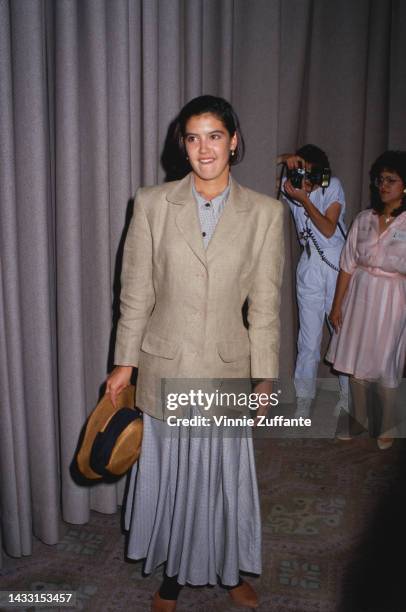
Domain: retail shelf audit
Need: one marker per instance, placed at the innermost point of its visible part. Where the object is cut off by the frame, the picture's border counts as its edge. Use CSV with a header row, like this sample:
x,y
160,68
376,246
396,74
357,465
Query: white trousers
x,y
315,287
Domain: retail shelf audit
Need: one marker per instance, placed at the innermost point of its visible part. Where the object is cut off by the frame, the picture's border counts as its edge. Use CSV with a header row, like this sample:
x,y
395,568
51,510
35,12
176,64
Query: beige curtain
x,y
87,91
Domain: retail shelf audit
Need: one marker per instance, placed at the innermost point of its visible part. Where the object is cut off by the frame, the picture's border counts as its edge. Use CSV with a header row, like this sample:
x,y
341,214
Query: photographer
x,y
317,204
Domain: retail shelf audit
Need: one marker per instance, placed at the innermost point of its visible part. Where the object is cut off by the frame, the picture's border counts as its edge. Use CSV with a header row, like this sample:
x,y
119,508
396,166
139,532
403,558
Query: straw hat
x,y
112,437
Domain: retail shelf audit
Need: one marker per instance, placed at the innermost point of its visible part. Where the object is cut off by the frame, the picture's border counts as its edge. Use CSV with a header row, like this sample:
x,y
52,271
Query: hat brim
x,y
97,422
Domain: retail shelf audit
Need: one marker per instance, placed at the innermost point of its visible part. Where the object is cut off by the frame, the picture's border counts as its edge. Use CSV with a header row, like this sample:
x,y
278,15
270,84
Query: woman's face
x,y
390,187
208,145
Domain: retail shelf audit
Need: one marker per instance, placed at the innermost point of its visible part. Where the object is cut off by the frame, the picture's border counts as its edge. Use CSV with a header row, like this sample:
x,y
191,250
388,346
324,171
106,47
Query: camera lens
x,y
296,176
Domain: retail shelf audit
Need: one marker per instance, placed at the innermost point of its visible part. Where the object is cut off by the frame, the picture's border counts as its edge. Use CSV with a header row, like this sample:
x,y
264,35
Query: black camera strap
x,y
308,234
340,227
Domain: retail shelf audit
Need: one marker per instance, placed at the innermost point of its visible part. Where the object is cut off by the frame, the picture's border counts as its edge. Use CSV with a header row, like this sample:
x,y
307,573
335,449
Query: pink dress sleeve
x,y
348,259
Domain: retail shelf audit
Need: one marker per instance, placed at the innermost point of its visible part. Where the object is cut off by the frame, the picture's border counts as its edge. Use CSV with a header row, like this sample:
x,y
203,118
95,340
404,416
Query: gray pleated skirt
x,y
193,503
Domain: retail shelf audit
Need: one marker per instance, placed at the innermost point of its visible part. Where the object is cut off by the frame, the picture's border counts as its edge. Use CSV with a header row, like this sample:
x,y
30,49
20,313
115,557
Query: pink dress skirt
x,y
371,344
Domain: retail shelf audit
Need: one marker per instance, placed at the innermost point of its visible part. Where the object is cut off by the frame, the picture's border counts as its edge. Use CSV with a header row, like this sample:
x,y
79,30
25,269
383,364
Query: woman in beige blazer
x,y
196,249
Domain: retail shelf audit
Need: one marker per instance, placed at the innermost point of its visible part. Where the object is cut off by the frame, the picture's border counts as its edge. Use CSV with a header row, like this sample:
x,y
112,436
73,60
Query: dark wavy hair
x,y
391,161
218,107
314,155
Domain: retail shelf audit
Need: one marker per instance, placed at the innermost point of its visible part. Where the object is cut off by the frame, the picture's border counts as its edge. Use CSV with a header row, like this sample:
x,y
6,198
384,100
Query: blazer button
x,y
203,234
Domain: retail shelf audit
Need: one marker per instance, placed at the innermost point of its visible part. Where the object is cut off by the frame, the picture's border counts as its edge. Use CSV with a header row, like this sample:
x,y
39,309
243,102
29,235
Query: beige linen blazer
x,y
181,305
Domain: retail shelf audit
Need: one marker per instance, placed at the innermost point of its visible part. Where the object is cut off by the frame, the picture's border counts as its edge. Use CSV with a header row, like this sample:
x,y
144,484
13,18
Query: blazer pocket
x,y
233,350
154,345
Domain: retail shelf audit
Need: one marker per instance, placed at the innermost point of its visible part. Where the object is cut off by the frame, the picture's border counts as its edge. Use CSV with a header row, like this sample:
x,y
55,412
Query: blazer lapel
x,y
231,221
187,219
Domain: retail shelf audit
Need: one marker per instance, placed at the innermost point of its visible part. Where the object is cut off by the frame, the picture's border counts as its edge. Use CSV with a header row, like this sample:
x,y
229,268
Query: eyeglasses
x,y
388,180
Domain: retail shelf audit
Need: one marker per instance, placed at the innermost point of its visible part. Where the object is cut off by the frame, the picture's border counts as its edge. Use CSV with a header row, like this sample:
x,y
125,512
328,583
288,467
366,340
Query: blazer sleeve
x,y
137,297
264,301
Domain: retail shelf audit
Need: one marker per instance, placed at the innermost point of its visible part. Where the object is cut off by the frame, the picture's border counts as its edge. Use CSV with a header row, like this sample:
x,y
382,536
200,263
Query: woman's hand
x,y
295,161
118,380
300,195
335,318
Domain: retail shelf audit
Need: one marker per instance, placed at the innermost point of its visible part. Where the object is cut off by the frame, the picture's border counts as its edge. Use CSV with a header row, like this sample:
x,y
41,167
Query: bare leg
x,y
387,396
359,411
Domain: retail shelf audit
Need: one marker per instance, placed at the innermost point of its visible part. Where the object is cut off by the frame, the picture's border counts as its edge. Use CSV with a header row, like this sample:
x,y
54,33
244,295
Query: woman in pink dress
x,y
369,308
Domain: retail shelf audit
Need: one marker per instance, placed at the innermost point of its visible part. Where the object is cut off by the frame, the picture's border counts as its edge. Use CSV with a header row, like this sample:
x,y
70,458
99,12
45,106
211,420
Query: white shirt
x,y
210,211
333,193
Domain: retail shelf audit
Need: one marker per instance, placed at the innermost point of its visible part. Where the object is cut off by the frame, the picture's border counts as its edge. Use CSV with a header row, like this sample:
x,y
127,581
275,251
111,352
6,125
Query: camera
x,y
316,176
296,176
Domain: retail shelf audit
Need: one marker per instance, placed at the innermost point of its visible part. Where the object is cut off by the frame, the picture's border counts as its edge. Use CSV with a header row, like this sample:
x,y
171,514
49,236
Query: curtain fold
x,y
14,481
88,89
69,306
28,287
397,72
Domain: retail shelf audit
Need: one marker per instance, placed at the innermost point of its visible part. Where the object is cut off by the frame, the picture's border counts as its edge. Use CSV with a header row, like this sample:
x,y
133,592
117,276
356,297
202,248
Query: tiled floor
x,y
334,536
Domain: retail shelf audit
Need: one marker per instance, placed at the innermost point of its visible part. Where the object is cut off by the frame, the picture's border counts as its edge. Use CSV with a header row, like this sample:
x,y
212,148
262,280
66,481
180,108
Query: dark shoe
x,y
163,605
244,596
